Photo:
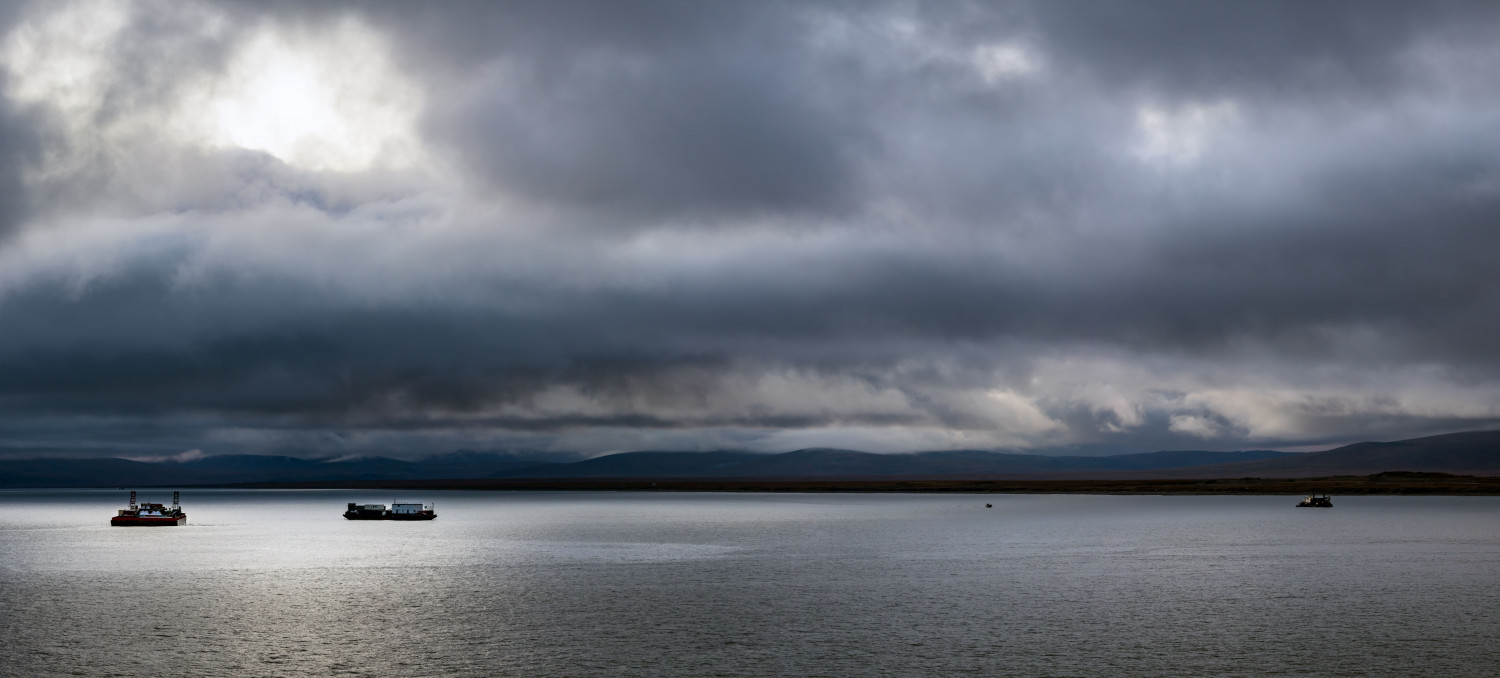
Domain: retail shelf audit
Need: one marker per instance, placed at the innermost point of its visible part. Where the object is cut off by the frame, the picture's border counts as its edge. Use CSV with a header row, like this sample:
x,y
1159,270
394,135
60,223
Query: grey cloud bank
x,y
575,227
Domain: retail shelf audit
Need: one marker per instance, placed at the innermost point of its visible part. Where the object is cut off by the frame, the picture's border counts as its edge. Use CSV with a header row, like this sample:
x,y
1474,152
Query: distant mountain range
x,y
1474,453
831,463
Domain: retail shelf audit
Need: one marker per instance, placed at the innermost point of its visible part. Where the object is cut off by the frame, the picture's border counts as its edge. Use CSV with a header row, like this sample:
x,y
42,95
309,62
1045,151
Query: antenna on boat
x,y
174,498
132,499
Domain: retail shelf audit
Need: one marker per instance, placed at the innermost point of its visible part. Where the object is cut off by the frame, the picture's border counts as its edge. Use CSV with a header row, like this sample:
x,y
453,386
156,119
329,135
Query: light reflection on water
x,y
567,584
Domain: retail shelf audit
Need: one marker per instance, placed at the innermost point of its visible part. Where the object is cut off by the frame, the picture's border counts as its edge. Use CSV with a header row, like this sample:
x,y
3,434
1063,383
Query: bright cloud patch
x,y
330,101
316,100
1179,136
1193,425
60,58
1001,62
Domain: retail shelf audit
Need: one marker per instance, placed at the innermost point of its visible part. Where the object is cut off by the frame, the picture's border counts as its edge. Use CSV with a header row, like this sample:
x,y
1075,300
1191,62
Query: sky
x,y
574,228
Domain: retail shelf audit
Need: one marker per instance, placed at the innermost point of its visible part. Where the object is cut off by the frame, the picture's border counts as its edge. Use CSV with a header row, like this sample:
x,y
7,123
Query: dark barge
x,y
395,512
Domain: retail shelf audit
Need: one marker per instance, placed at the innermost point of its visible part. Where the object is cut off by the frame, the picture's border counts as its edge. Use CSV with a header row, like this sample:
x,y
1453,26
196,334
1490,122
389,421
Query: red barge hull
x,y
151,521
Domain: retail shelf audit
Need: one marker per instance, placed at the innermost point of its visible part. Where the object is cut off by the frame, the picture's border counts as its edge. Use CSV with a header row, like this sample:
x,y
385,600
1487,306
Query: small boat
x,y
1316,501
150,514
395,512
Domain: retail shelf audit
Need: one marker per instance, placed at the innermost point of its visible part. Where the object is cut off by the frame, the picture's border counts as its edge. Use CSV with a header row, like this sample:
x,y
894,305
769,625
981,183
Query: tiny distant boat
x,y
1316,501
150,514
395,512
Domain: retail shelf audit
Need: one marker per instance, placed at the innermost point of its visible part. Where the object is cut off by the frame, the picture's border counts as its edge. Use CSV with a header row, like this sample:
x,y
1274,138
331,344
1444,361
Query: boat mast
x,y
132,500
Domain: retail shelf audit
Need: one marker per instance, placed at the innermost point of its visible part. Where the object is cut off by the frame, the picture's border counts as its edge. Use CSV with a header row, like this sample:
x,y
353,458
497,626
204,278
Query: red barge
x,y
150,514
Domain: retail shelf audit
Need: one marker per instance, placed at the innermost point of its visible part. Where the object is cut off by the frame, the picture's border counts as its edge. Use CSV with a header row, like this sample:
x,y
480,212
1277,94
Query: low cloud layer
x,y
570,228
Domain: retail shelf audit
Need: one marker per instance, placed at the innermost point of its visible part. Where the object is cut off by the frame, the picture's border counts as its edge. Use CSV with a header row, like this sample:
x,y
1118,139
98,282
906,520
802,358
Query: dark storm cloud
x,y
1134,225
22,135
1280,48
692,139
680,109
19,146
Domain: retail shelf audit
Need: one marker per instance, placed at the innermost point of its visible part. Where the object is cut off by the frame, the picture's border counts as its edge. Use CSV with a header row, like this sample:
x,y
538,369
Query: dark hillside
x,y
1474,453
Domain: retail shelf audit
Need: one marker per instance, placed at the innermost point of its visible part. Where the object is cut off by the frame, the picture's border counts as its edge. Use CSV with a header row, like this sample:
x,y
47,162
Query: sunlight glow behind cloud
x,y
326,102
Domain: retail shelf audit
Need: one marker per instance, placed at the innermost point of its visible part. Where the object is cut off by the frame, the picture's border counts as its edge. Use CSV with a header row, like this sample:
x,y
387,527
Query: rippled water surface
x,y
263,583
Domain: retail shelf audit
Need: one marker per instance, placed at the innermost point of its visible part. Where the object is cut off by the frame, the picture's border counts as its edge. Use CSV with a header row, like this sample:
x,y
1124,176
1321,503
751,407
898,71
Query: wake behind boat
x,y
395,512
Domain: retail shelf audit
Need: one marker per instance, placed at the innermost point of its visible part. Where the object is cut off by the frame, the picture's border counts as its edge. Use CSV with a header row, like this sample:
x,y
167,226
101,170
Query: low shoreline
x,y
1396,483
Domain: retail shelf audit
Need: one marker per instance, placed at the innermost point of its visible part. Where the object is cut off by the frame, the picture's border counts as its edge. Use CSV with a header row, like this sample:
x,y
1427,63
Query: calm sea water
x,y
268,583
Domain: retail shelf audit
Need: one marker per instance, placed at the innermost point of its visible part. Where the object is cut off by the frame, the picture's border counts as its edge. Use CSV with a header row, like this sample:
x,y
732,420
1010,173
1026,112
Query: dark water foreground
x,y
265,583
